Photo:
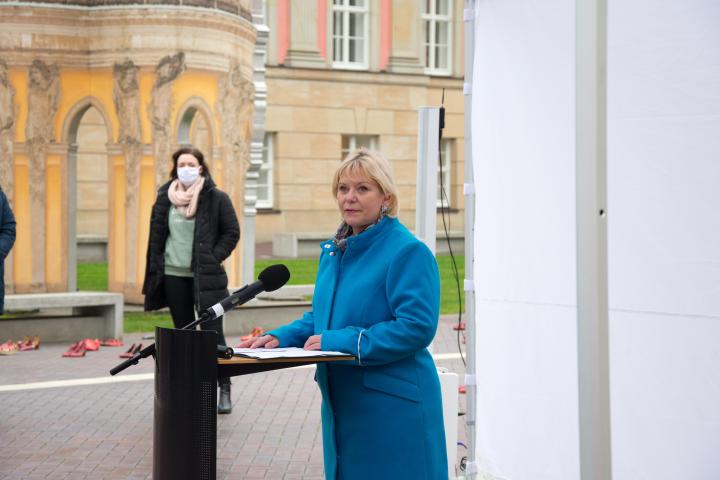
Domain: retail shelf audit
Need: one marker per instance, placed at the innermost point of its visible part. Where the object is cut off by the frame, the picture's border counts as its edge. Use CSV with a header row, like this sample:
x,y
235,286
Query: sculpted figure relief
x,y
168,70
7,130
43,97
126,97
235,106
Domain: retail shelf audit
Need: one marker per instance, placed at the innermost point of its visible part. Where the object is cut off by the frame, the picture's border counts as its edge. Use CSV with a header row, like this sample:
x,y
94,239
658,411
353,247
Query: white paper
x,y
292,352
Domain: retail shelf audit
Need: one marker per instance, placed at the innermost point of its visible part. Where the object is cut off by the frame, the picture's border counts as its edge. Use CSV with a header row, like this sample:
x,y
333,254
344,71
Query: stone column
x,y
126,97
43,97
303,49
167,71
256,144
235,107
406,50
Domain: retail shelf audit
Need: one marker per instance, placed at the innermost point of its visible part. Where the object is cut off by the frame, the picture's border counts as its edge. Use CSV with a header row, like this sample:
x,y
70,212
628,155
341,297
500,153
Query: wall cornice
x,y
345,76
237,8
98,37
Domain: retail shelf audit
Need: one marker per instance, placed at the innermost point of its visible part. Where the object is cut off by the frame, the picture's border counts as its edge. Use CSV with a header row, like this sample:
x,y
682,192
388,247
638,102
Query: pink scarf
x,y
185,198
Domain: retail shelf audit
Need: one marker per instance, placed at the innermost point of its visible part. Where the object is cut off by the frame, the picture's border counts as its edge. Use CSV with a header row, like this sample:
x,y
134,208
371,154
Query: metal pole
x,y
469,190
428,151
591,217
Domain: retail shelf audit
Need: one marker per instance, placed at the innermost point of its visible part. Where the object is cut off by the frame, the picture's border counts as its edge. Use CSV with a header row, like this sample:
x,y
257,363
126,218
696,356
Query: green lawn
x,y
302,270
93,276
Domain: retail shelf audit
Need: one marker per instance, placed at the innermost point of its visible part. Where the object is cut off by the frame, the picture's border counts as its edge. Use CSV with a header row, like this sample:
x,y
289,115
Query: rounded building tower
x,y
94,97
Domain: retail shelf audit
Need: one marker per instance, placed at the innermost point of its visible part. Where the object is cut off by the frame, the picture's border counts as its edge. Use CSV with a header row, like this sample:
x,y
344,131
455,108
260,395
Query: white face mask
x,y
188,175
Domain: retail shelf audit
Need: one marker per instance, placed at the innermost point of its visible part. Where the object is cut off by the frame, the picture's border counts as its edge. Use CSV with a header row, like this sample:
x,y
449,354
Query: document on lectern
x,y
290,352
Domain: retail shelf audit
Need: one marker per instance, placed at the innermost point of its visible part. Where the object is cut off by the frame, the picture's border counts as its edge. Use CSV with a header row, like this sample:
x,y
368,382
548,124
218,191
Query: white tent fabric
x,y
663,238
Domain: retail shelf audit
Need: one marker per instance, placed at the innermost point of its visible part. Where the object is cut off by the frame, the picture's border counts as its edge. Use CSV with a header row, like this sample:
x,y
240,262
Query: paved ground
x,y
89,425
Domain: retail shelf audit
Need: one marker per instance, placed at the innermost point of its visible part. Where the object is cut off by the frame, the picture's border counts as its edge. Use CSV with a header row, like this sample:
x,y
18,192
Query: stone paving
x,y
104,430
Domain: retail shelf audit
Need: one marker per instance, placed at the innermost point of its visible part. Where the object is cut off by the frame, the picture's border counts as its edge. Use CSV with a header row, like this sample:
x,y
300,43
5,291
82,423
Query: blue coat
x,y
7,239
379,300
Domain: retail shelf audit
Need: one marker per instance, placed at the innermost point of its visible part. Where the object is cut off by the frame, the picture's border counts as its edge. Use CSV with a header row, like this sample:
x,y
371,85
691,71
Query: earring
x,y
384,210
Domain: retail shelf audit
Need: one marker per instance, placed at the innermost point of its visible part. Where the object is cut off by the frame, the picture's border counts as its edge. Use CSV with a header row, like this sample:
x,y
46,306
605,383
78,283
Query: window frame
x,y
268,165
346,10
430,19
446,147
373,144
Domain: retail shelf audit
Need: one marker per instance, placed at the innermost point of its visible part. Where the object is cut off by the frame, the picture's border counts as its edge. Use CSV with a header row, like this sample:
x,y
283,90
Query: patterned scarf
x,y
185,198
345,231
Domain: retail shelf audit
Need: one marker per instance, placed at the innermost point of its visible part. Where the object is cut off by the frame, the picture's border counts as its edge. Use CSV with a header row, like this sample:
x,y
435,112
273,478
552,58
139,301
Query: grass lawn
x,y
93,276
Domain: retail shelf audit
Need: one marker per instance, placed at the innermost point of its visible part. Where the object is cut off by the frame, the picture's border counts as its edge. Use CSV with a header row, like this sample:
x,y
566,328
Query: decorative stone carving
x,y
126,97
235,107
43,97
167,71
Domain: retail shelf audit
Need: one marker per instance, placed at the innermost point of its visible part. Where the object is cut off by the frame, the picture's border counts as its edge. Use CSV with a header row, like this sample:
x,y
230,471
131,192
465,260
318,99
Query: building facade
x,y
348,73
94,97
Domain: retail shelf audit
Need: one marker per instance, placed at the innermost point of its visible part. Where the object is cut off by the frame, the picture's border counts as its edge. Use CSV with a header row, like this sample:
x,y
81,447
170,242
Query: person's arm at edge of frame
x,y
7,229
413,292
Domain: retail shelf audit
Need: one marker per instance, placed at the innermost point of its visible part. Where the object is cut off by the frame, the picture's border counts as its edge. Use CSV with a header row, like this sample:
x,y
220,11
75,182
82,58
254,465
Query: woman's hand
x,y
313,342
266,341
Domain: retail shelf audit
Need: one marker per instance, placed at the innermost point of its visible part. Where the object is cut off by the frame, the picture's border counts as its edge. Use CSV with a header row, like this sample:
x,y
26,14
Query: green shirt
x,y
178,247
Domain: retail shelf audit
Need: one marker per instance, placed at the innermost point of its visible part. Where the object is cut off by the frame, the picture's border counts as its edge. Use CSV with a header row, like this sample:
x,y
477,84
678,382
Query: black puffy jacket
x,y
216,234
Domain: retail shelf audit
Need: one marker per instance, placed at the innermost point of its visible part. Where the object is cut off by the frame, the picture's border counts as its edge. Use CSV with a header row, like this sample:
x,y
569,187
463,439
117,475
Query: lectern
x,y
185,425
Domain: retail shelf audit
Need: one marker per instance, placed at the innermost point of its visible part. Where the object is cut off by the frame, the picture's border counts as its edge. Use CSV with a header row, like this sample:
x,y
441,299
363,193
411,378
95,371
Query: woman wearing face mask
x,y
193,228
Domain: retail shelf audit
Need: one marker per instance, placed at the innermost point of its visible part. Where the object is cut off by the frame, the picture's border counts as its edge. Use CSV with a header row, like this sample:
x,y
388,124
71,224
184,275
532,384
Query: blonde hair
x,y
362,162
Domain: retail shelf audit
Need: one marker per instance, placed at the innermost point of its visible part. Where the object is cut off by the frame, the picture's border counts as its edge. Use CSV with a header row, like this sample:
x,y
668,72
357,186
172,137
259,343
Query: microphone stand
x,y
276,276
150,349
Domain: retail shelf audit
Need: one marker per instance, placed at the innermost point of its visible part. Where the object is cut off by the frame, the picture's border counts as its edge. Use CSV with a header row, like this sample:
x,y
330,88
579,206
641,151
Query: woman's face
x,y
188,160
359,200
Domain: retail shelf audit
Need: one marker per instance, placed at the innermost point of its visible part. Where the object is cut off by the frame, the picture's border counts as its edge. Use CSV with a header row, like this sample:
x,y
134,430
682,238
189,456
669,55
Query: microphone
x,y
270,279
223,351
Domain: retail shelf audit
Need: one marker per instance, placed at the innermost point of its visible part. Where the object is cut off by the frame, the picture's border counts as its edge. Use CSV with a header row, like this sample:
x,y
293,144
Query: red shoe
x,y
462,390
129,352
112,342
459,326
91,345
29,343
77,350
8,348
132,351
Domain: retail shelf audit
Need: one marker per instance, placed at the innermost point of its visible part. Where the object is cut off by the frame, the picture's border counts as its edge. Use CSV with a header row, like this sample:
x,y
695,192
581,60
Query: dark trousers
x,y
180,297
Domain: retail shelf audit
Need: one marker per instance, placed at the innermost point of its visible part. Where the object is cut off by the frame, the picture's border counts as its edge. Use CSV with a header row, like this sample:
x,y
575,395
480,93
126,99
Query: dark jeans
x,y
180,297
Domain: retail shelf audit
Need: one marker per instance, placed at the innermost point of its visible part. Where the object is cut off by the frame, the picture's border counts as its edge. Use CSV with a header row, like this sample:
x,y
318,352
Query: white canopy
x,y
663,239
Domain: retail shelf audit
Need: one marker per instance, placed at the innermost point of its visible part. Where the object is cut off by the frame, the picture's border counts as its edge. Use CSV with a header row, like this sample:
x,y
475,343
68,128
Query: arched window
x,y
195,127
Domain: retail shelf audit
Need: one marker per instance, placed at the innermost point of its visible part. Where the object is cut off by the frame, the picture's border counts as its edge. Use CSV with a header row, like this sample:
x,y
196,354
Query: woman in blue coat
x,y
377,296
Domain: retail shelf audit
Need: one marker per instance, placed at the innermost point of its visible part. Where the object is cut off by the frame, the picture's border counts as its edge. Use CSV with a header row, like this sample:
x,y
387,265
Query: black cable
x,y
443,202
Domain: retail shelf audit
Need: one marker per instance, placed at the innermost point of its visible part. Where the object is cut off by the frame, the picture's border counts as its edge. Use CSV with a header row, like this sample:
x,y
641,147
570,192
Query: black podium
x,y
185,424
